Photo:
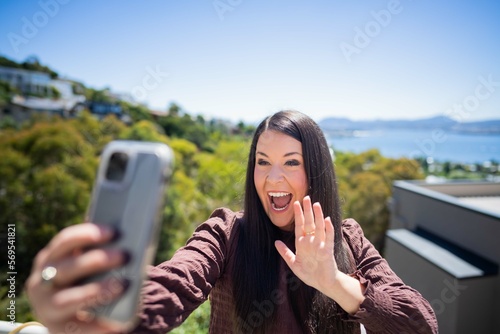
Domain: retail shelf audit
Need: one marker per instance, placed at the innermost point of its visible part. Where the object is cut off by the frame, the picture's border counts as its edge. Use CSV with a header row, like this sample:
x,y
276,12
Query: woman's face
x,y
279,176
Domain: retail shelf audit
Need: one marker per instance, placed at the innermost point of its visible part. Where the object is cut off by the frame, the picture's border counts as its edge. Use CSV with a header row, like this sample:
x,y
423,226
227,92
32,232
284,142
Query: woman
x,y
286,264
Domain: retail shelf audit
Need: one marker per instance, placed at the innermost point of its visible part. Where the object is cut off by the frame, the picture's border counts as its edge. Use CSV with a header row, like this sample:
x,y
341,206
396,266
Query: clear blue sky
x,y
244,59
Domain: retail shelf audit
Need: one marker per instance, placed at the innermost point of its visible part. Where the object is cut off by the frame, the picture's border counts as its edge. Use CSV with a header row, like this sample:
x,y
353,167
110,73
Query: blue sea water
x,y
437,144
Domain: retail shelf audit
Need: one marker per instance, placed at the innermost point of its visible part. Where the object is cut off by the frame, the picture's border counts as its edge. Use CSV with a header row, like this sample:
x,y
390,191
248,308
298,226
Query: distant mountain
x,y
345,126
485,127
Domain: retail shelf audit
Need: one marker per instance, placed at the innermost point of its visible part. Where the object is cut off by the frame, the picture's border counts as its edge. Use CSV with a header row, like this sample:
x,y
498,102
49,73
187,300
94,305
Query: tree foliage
x,y
32,63
6,93
204,134
365,186
137,112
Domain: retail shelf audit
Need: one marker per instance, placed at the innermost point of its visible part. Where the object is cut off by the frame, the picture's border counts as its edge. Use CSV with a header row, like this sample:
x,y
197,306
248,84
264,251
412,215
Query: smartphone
x,y
129,194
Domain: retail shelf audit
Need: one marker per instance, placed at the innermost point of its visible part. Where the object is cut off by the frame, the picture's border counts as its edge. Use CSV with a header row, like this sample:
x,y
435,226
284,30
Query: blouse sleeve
x,y
390,306
178,286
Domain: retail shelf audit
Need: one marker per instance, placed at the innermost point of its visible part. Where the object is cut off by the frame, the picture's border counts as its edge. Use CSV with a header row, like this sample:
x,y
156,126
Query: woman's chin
x,y
283,222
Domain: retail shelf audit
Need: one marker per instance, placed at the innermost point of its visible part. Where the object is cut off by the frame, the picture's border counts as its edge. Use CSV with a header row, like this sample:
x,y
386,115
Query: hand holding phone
x,y
128,194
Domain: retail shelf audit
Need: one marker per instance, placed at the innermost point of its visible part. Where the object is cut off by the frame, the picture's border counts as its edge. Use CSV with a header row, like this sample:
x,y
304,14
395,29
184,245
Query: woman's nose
x,y
275,175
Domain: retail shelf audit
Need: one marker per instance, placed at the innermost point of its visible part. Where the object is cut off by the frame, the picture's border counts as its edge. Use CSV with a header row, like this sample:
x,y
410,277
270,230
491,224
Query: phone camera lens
x,y
117,166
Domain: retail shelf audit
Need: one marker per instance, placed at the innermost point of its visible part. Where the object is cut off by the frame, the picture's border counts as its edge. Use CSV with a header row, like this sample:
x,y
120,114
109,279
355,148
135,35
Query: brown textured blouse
x,y
203,269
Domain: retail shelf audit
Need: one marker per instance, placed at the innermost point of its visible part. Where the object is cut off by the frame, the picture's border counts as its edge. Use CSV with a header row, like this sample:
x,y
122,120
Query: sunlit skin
x,y
279,170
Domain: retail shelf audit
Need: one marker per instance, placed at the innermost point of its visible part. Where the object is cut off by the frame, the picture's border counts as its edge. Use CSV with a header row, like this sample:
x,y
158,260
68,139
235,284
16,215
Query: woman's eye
x,y
292,163
261,162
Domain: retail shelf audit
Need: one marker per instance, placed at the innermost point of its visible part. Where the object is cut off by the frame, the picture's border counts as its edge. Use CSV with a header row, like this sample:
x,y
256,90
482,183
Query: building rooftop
x,y
446,258
37,103
479,196
490,203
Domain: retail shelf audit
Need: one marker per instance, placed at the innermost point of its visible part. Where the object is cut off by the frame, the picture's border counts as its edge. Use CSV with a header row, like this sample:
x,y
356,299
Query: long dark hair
x,y
257,263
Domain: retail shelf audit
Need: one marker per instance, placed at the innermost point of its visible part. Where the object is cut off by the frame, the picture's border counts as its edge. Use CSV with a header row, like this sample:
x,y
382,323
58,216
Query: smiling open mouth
x,y
280,200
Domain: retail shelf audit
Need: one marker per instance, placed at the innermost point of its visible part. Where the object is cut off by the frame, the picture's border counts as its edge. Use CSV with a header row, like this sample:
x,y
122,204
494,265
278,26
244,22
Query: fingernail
x,y
126,284
127,257
106,231
116,234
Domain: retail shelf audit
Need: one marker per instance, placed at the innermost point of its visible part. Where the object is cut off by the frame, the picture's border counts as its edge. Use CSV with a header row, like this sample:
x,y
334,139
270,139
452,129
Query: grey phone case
x,y
132,205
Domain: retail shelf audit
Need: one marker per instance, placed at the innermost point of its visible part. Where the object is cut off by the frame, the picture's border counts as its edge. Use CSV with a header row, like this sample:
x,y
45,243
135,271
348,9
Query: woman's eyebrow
x,y
285,155
292,153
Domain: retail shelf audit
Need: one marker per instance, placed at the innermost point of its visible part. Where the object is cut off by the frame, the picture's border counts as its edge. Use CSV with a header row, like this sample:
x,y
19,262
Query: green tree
x,y
137,112
8,122
185,153
97,133
6,93
174,110
145,131
197,323
46,171
221,174
99,95
185,209
187,128
365,186
31,63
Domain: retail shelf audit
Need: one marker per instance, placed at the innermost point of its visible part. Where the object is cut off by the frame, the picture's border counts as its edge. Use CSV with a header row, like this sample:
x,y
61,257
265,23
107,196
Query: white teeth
x,y
279,194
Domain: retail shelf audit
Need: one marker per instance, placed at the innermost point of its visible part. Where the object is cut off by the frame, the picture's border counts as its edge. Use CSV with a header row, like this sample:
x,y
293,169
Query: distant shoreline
x,y
353,132
438,144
